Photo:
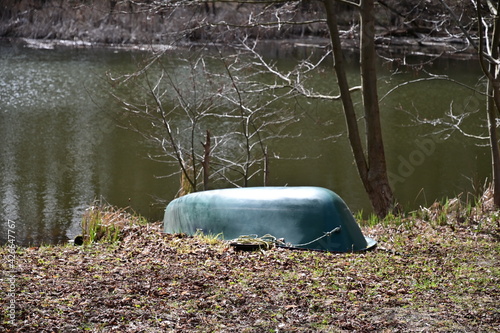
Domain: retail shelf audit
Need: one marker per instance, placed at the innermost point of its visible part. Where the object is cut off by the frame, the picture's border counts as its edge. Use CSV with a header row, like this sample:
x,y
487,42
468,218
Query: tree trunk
x,y
495,153
493,93
493,106
373,171
377,185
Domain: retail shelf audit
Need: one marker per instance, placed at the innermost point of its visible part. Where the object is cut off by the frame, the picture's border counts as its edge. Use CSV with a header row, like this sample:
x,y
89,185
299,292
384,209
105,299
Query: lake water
x,y
61,148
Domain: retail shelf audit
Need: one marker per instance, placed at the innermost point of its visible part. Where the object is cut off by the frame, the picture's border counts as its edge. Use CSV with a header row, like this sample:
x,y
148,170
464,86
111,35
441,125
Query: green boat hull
x,y
306,217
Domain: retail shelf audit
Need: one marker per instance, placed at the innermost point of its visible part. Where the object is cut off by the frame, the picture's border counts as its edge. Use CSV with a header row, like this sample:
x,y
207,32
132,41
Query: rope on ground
x,y
269,241
326,234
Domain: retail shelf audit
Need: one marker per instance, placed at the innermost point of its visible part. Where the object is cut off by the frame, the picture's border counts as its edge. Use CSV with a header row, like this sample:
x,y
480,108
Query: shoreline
x,y
425,29
397,47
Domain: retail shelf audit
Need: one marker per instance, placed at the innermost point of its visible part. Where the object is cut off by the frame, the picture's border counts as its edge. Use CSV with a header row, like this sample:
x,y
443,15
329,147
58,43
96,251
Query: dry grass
x,y
106,223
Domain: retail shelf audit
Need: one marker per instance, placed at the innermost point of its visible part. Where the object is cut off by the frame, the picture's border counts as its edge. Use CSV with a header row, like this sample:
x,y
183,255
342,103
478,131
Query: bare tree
x,y
204,119
169,108
480,32
371,165
490,64
369,155
370,161
487,45
245,20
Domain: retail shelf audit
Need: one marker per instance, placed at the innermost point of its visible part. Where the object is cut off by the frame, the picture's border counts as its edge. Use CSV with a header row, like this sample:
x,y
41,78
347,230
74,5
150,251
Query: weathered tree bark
x,y
495,152
372,165
377,183
493,99
493,106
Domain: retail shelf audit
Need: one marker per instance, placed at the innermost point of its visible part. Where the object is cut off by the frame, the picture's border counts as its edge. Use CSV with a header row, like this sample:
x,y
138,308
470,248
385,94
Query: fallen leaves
x,y
430,278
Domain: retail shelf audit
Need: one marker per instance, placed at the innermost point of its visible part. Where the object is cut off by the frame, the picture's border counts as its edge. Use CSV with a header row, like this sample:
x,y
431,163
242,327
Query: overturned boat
x,y
305,217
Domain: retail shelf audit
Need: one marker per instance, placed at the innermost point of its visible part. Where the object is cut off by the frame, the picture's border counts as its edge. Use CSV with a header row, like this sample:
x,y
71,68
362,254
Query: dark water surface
x,y
60,148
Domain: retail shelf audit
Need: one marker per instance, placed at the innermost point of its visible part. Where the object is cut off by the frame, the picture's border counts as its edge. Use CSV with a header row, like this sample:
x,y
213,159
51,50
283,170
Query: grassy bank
x,y
435,271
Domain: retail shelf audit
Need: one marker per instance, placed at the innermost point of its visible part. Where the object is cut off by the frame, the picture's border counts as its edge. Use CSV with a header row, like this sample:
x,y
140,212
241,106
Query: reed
x,y
104,223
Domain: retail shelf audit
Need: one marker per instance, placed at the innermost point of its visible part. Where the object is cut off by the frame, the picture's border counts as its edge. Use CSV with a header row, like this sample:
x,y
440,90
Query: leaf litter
x,y
425,276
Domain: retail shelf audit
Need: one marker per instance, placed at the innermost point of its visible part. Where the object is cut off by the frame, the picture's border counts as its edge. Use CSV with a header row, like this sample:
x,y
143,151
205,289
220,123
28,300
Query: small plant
x,y
359,216
102,222
371,221
210,239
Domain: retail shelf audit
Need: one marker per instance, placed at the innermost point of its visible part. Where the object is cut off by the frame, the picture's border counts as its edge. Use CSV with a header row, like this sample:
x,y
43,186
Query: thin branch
x,y
350,3
466,33
432,78
170,133
481,53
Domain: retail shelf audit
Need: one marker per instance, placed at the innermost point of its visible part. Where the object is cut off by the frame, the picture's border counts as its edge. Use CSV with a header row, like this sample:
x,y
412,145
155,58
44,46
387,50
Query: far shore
x,y
393,47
